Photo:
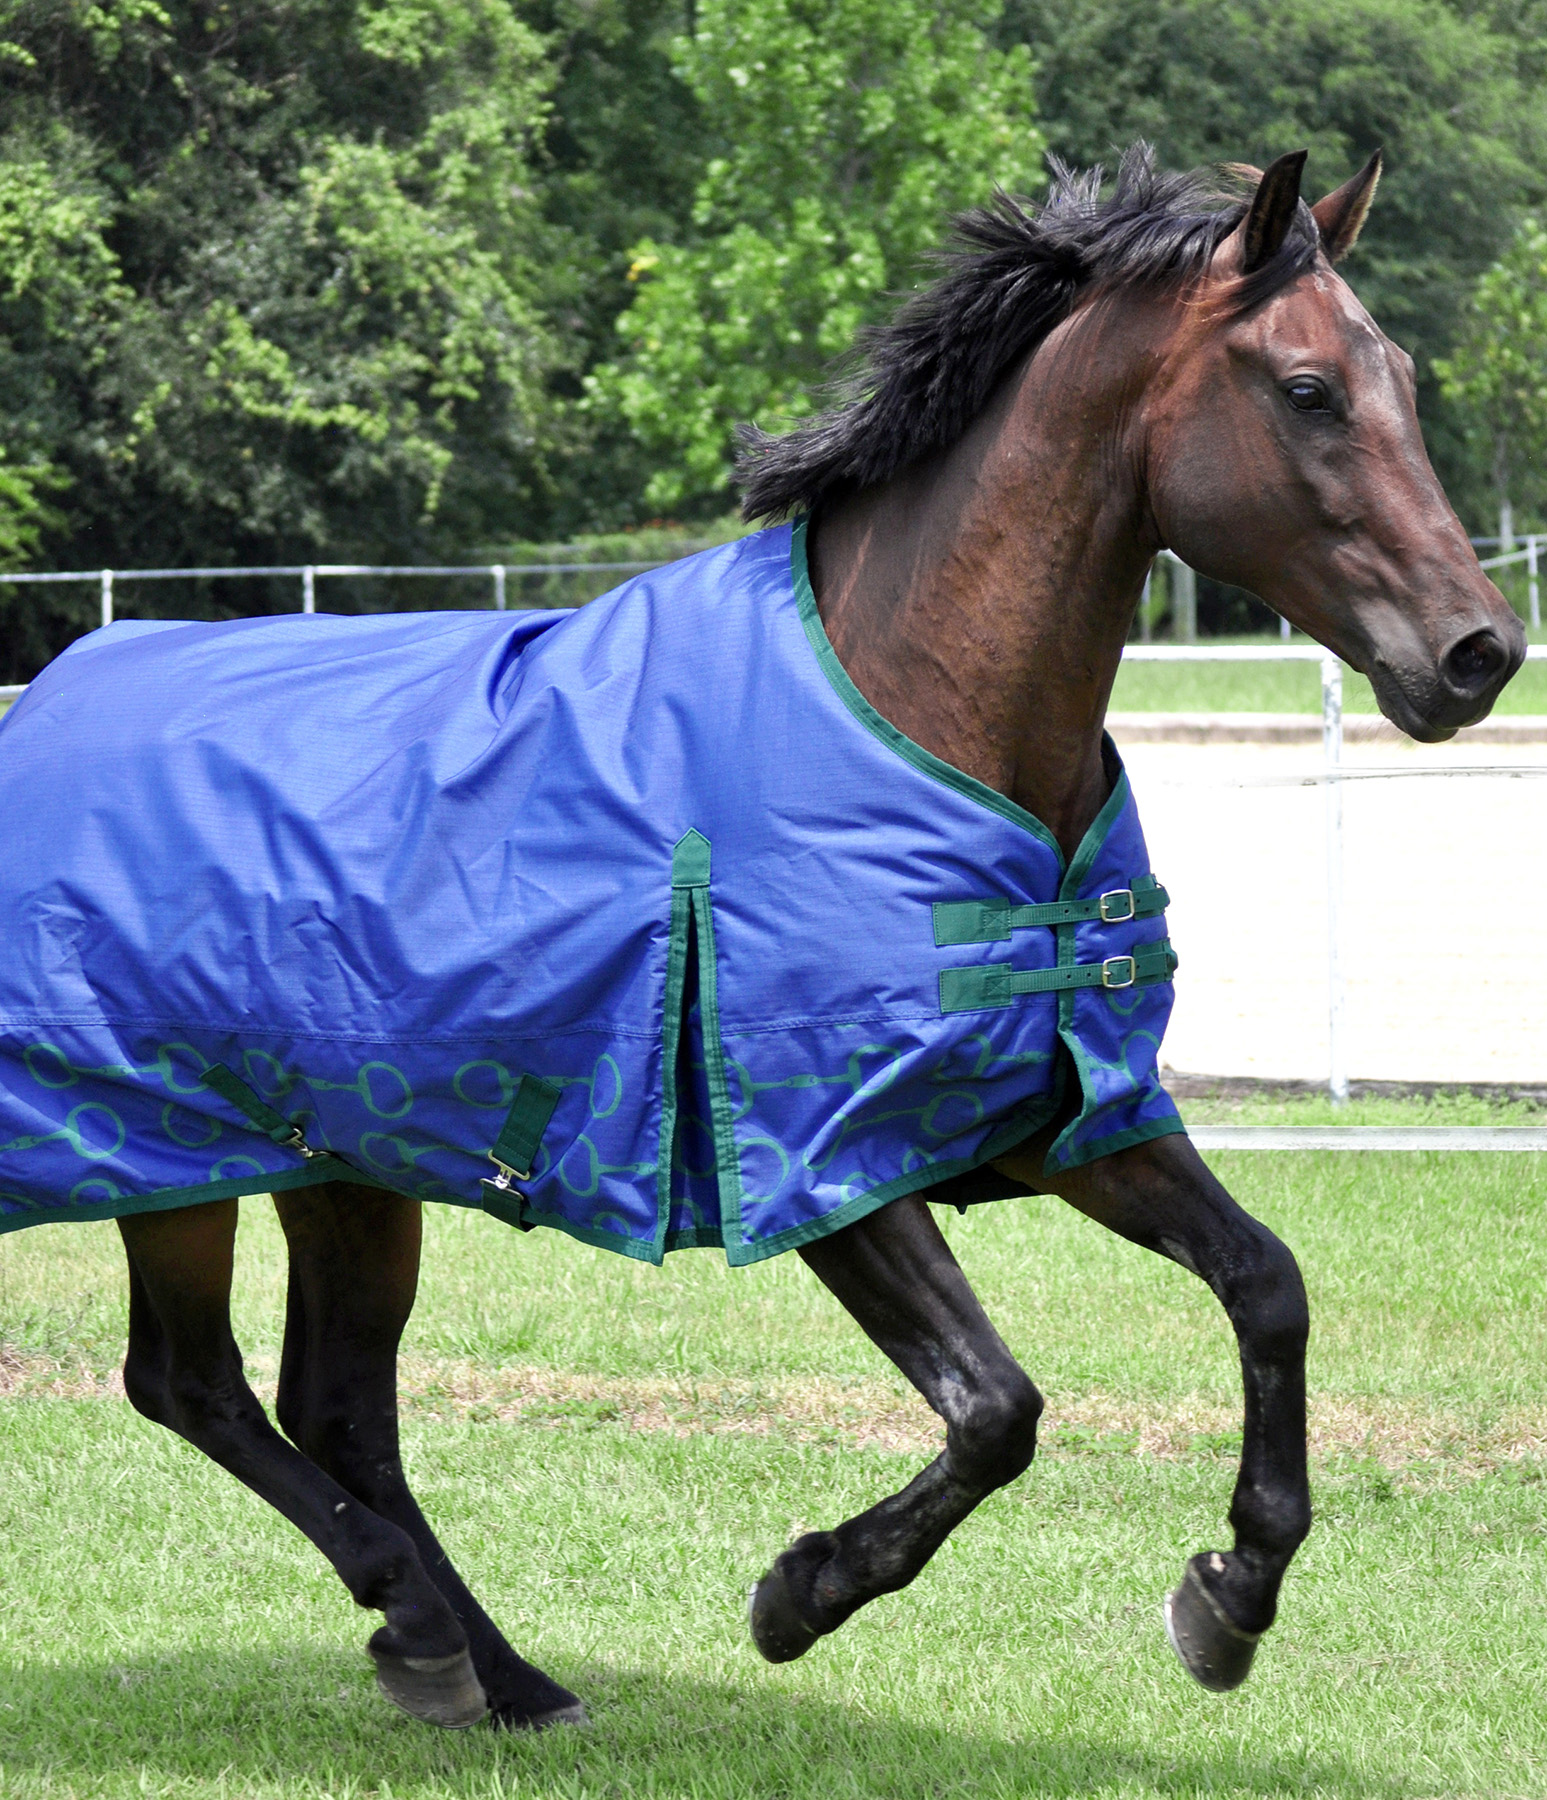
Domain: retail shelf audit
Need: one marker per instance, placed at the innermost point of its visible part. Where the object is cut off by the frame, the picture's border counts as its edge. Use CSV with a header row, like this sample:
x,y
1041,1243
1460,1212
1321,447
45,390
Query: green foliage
x,y
1497,373
1454,93
625,147
271,280
848,132
24,513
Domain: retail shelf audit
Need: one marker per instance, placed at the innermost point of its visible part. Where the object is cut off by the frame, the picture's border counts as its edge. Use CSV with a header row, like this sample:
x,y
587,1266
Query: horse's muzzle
x,y
1458,689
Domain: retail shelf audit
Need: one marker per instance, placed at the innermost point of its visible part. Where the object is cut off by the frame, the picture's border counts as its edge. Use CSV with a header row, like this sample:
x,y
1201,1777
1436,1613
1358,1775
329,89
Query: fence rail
x,y
106,580
1370,1137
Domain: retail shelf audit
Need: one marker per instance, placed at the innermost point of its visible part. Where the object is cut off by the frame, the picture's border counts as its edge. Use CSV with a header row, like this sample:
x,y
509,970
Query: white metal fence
x,y
108,580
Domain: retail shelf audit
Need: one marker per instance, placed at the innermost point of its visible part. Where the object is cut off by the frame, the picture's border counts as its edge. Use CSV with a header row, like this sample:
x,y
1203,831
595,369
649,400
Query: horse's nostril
x,y
1475,661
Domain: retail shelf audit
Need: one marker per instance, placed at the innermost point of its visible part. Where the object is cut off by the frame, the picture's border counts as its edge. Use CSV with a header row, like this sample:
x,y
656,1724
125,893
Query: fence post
x,y
1332,756
107,596
1184,602
308,589
1533,591
498,572
1283,628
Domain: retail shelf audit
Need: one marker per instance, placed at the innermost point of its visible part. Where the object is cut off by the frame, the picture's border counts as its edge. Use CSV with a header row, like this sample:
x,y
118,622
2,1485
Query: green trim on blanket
x,y
1058,1156
695,1237
641,1249
169,1199
923,760
1096,834
862,1205
1109,1146
690,860
727,1158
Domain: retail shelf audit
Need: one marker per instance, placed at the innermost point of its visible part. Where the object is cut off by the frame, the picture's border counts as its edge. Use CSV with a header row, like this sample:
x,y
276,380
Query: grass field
x,y
614,1452
1278,688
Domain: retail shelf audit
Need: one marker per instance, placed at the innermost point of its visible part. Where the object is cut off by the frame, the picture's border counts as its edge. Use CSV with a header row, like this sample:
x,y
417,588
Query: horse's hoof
x,y
777,1628
1214,1651
441,1690
574,1714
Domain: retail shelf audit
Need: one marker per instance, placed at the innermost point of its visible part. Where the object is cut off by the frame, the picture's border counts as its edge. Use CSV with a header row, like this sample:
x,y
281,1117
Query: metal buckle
x,y
295,1141
505,1181
1116,918
1106,972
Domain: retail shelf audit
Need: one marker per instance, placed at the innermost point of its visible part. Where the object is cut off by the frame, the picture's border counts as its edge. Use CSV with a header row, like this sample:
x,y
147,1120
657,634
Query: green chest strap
x,y
992,921
997,984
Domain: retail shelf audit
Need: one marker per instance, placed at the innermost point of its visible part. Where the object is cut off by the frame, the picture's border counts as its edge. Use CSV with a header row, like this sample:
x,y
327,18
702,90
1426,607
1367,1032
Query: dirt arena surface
x,y
1441,891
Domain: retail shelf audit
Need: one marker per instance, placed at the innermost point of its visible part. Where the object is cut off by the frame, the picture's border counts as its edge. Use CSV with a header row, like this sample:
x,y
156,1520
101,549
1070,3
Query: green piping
x,y
739,1255
641,1249
695,1237
904,746
727,1158
1100,1147
1119,1140
1094,837
684,861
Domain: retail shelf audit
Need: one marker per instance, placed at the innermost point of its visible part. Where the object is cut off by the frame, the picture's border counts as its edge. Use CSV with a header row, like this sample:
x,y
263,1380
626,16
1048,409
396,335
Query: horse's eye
x,y
1305,395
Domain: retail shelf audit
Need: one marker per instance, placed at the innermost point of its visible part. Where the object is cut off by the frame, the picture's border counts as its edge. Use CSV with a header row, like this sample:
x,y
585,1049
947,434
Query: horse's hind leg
x,y
354,1266
184,1371
1160,1195
895,1273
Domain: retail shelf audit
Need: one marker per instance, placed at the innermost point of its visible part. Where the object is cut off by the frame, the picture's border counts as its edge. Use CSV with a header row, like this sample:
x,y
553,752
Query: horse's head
x,y
1284,455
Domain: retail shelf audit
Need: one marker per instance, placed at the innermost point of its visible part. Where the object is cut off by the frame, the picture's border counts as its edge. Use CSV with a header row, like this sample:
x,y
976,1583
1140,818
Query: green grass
x,y
614,1451
1278,688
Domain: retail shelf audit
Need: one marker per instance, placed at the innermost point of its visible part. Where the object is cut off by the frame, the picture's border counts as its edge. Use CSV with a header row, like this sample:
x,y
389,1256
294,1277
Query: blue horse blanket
x,y
644,901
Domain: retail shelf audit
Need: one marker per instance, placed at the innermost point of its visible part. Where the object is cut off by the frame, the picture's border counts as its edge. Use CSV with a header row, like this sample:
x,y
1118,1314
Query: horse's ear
x,y
1272,211
1341,215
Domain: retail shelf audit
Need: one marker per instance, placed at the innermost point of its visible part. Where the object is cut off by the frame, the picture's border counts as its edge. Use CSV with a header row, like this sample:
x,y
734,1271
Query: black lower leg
x,y
338,1403
184,1370
1160,1195
896,1275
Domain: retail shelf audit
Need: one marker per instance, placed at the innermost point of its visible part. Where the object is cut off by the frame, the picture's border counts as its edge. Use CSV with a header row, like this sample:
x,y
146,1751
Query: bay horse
x,y
1090,381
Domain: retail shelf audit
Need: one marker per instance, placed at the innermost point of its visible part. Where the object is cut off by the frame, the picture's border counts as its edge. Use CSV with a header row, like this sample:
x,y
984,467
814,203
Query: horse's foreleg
x,y
1161,1195
895,1273
354,1266
184,1370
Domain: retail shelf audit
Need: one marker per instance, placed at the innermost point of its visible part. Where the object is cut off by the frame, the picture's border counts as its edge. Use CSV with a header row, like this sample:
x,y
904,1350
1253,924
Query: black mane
x,y
1014,273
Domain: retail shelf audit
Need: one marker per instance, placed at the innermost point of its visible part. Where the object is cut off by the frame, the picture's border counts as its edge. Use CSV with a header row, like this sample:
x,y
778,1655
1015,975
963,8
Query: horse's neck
x,y
981,602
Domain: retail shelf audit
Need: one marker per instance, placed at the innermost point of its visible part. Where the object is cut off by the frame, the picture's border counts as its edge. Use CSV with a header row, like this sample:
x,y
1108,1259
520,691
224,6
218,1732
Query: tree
x,y
272,279
625,147
848,131
1497,373
1454,92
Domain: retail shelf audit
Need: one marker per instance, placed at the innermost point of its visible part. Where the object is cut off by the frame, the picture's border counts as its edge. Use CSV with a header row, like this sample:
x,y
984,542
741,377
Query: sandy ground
x,y
1443,908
